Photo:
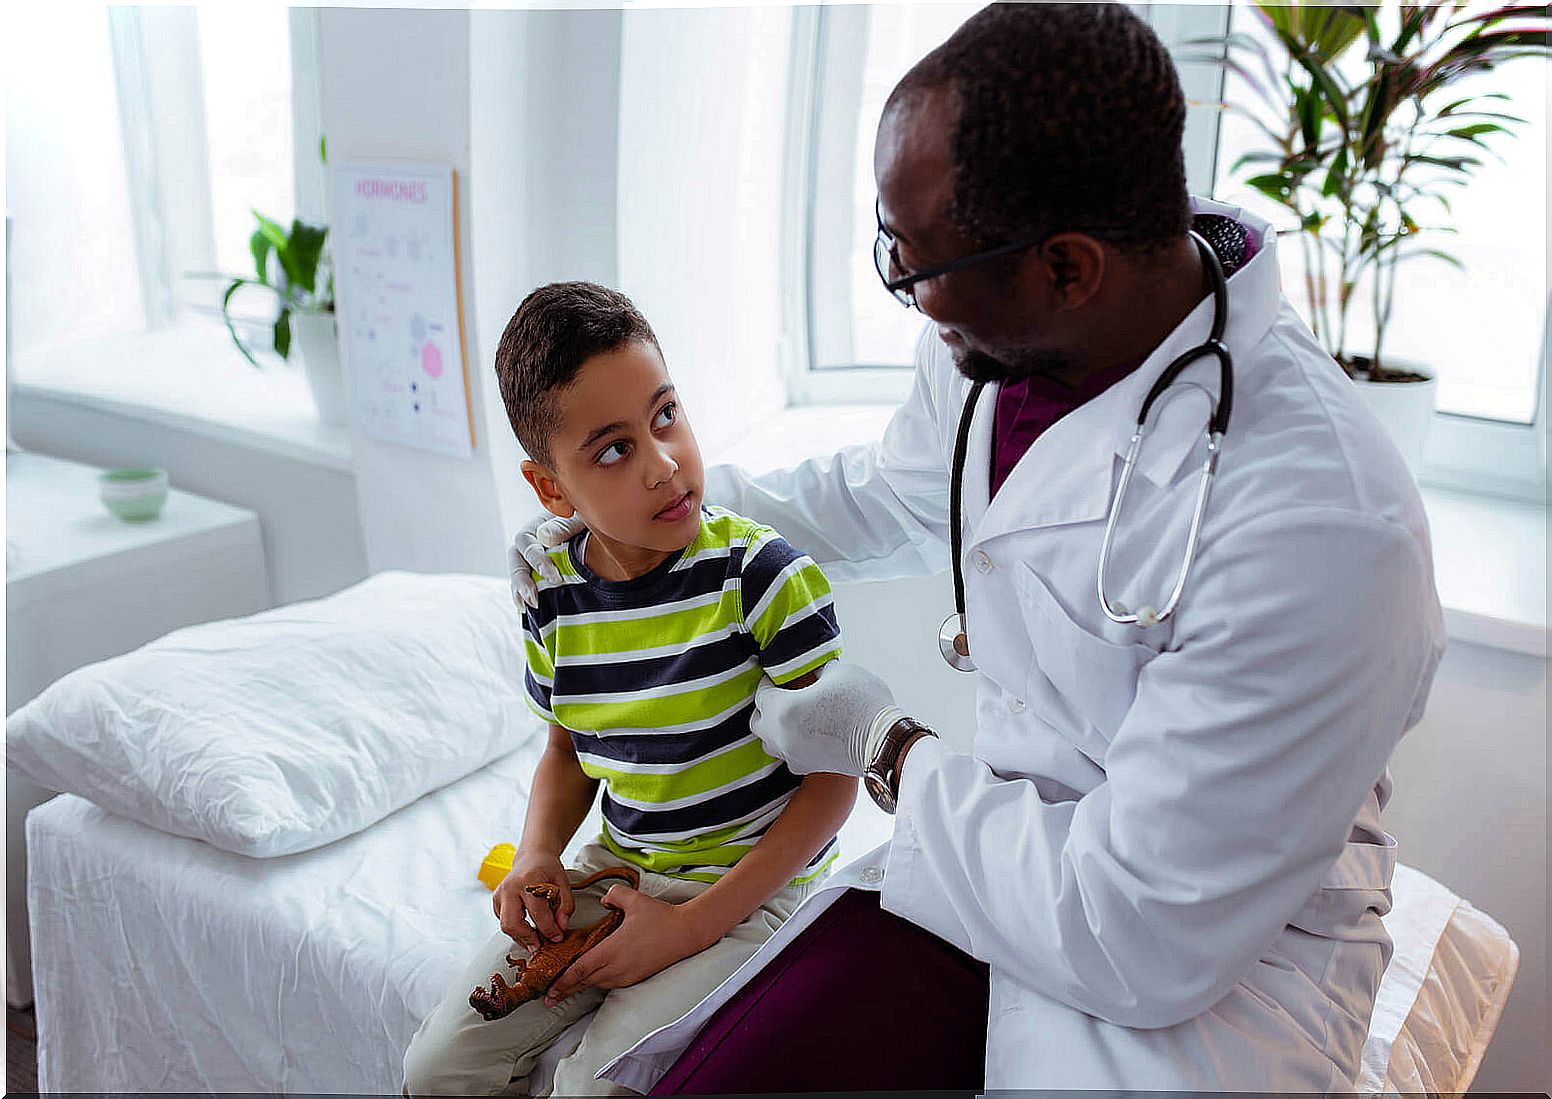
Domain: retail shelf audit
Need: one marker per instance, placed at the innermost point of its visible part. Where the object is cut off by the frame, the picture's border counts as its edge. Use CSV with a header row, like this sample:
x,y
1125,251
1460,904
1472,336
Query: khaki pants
x,y
455,1052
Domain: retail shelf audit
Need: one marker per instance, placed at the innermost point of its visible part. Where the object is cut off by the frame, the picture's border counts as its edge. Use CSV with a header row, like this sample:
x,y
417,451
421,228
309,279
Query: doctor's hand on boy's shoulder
x,y
512,903
653,936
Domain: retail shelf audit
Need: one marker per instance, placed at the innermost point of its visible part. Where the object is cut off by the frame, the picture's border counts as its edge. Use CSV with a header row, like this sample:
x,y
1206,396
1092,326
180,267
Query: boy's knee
x,y
429,1067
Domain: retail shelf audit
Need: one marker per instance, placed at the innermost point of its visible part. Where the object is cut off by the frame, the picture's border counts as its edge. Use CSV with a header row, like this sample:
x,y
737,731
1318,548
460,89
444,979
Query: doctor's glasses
x,y
902,283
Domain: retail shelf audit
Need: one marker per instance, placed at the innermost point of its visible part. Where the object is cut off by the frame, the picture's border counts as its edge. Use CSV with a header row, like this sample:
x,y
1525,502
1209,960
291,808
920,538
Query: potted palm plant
x,y
1367,134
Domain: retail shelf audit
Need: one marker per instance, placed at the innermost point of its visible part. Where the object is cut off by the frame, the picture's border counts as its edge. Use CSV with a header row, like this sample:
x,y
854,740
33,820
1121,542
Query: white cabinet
x,y
82,586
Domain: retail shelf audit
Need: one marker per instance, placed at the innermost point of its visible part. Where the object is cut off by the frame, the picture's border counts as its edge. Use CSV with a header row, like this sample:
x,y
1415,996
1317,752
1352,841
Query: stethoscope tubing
x,y
1217,426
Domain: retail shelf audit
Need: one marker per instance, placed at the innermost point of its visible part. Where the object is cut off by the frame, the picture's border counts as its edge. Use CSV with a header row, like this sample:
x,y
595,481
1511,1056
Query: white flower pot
x,y
1406,410
314,335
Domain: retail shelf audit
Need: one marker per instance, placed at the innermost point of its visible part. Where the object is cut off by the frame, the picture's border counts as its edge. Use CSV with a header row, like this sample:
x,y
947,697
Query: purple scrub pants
x,y
860,1000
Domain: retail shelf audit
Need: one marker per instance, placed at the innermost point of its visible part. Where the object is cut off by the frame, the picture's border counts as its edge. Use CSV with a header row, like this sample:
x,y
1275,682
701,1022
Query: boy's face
x,y
624,457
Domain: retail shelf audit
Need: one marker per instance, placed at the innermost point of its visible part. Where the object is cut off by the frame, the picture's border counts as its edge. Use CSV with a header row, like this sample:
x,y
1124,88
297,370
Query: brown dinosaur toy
x,y
537,973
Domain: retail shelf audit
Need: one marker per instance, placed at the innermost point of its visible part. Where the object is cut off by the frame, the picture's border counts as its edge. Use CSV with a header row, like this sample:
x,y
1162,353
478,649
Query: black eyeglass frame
x,y
884,252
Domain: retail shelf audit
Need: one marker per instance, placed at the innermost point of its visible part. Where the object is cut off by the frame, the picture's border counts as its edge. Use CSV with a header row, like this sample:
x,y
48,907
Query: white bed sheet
x,y
164,964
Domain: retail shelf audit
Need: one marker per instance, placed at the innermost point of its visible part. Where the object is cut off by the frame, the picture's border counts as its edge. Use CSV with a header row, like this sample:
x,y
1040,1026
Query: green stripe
x,y
653,711
538,657
676,627
667,863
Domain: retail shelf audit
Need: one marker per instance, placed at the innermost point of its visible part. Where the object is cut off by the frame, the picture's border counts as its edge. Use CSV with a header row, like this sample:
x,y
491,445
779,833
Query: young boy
x,y
644,659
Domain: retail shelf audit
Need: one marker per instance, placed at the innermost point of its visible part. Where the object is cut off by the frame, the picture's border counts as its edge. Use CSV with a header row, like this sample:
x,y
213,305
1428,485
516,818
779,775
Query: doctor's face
x,y
994,316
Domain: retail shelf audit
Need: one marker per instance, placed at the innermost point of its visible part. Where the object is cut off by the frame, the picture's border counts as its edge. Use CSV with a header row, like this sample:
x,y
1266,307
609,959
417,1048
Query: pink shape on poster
x,y
431,359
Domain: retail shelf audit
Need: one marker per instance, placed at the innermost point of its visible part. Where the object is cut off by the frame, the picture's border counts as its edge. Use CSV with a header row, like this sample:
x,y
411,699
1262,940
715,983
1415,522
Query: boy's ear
x,y
547,488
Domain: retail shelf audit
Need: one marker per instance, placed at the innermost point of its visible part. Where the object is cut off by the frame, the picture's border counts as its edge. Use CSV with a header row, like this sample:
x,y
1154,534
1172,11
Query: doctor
x,y
1165,844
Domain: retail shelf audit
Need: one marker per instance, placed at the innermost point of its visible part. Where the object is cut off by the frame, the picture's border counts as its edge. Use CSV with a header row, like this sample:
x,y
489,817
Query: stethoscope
x,y
952,638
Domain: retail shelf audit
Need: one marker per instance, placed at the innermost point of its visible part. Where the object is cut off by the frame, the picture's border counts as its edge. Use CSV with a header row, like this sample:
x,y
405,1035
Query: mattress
x,y
164,964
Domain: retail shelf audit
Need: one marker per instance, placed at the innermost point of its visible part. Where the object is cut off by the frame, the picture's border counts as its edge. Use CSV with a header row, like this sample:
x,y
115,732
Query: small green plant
x,y
1364,148
294,267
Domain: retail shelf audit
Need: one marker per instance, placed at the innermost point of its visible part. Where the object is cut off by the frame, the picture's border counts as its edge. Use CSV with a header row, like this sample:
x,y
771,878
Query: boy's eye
x,y
666,415
612,454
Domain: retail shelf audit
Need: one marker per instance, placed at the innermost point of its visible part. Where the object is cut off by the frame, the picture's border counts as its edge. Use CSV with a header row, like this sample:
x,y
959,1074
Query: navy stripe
x,y
695,662
538,691
718,812
804,636
655,747
762,569
703,577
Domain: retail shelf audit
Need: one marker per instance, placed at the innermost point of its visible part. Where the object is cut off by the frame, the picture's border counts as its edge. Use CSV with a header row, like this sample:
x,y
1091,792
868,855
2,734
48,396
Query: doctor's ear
x,y
548,488
1077,266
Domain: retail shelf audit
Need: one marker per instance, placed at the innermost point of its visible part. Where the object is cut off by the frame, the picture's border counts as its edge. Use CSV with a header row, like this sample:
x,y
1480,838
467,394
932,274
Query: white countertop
x,y
55,525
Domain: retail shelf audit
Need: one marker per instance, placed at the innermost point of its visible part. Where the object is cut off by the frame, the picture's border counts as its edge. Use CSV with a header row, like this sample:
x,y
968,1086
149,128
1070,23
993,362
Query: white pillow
x,y
289,729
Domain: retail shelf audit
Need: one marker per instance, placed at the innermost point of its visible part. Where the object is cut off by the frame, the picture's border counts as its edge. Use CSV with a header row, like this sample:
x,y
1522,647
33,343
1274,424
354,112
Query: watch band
x,y
882,777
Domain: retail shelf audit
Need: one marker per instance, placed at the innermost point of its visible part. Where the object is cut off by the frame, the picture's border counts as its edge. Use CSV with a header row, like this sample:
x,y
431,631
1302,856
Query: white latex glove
x,y
530,550
834,725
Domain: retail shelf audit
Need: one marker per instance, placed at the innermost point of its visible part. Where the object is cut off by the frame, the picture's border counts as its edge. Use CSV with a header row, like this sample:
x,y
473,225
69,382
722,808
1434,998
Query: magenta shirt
x,y
1026,408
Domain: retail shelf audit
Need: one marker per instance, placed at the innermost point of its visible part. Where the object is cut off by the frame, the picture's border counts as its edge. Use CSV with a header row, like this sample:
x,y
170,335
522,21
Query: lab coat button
x,y
982,562
872,875
1016,705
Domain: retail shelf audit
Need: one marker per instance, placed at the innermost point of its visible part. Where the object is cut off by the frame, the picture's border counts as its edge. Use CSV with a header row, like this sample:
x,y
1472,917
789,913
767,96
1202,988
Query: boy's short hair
x,y
555,330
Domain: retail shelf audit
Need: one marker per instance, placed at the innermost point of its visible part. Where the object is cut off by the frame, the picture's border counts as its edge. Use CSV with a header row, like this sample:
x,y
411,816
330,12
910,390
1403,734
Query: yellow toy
x,y
497,865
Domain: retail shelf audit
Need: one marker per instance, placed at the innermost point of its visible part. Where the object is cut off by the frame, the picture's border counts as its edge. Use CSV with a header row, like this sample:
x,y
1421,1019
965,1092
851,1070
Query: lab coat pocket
x,y
1082,683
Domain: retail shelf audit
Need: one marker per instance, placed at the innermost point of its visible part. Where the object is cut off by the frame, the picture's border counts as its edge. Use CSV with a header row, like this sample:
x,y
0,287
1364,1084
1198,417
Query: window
x,y
851,340
138,140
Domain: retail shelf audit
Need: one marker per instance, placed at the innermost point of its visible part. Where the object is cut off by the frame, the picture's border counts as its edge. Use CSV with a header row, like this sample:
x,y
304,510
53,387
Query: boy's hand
x,y
515,907
654,936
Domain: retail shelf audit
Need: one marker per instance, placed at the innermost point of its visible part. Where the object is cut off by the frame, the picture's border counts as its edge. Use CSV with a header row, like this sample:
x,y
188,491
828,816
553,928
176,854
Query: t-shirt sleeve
x,y
788,609
539,677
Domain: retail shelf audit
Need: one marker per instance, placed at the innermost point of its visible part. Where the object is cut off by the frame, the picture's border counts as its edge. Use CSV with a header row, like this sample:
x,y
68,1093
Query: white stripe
x,y
572,660
666,690
774,670
796,565
691,800
624,767
705,554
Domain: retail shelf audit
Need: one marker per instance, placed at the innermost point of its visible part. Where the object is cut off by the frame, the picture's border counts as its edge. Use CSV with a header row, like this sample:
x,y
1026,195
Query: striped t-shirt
x,y
655,679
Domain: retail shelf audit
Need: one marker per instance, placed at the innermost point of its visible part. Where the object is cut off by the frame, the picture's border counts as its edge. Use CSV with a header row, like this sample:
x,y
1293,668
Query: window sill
x,y
1490,554
190,378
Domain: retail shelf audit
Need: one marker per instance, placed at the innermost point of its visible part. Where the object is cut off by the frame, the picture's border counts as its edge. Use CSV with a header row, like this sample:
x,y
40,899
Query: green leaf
x,y
1432,253
283,332
306,248
226,301
259,246
323,148
277,238
1274,185
1336,178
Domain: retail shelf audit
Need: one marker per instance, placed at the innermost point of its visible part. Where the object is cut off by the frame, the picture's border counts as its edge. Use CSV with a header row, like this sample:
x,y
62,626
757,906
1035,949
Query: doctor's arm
x,y
1300,656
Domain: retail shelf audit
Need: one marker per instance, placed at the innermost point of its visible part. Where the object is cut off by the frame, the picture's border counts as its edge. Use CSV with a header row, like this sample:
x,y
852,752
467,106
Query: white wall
x,y
396,87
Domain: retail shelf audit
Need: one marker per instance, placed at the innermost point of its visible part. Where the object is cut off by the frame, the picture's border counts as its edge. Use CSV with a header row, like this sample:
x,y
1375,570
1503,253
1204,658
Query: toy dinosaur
x,y
535,974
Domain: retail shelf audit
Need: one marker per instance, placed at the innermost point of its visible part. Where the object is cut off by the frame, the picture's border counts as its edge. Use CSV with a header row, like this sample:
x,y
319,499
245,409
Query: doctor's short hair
x,y
1071,118
555,330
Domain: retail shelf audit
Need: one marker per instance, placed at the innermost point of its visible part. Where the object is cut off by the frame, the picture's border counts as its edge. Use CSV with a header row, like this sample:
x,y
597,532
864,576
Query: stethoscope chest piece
x,y
954,643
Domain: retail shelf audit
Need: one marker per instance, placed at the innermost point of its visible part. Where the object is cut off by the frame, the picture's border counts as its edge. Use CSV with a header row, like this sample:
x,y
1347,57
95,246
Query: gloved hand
x,y
834,724
530,550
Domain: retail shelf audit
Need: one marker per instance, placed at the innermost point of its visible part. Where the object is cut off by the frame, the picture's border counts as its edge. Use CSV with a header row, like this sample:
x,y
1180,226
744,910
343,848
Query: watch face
x,y
878,790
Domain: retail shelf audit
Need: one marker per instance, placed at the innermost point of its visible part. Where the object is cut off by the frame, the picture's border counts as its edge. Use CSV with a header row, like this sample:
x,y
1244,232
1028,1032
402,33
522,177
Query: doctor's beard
x,y
978,366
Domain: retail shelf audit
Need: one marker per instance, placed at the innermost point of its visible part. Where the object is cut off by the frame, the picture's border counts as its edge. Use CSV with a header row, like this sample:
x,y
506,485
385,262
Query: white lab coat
x,y
1165,843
